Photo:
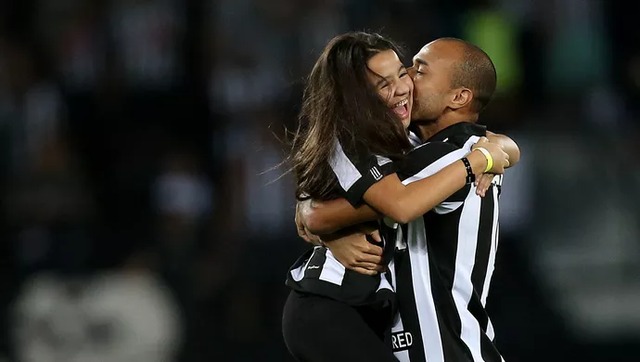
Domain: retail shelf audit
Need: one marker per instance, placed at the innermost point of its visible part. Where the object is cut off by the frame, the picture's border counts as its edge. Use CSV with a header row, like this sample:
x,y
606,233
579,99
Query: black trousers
x,y
318,329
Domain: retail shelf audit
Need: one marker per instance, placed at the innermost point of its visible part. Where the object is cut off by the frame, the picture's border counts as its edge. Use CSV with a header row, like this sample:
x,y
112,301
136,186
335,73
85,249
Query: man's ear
x,y
461,98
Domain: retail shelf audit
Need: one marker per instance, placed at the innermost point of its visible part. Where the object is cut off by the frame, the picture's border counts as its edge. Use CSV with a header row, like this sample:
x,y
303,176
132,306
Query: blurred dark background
x,y
142,218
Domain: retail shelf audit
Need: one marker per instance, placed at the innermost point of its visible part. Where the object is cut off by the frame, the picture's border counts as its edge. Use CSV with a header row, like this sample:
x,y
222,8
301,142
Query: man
x,y
444,261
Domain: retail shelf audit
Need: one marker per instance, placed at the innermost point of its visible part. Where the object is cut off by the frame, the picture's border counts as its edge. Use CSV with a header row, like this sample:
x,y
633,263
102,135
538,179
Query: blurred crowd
x,y
146,216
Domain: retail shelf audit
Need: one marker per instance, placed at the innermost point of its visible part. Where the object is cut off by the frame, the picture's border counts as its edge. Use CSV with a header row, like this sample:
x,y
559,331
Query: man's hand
x,y
303,232
508,145
355,252
483,183
352,250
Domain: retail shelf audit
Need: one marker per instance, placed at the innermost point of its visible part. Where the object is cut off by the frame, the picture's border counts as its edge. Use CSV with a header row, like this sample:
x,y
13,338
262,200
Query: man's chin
x,y
422,121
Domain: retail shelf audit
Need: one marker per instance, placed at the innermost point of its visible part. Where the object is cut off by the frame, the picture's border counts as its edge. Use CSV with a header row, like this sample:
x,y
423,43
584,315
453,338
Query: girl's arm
x,y
390,197
404,203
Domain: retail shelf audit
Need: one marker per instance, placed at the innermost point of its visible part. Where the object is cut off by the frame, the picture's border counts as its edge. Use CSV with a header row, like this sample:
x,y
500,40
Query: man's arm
x,y
354,251
326,217
350,245
508,145
303,231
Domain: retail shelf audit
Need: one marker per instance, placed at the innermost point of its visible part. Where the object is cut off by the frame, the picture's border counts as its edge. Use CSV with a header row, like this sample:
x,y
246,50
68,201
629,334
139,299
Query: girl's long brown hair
x,y
341,104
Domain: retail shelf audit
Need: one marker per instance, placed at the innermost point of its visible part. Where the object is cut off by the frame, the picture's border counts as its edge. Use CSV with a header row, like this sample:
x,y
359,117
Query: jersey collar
x,y
467,128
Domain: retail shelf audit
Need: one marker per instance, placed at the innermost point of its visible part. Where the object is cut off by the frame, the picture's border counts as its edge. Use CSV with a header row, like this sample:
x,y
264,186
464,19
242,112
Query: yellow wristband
x,y
487,154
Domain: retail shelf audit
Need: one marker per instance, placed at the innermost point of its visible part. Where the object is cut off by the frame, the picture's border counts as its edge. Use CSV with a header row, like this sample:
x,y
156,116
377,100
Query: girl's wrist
x,y
478,161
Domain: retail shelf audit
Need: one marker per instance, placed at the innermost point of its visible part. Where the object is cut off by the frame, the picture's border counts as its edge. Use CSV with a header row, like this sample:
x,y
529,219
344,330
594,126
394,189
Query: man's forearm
x,y
326,217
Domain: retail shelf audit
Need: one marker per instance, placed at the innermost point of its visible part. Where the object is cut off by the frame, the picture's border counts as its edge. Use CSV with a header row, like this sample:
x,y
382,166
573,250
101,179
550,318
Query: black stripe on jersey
x,y
408,310
442,236
316,264
359,288
388,234
369,177
459,133
488,350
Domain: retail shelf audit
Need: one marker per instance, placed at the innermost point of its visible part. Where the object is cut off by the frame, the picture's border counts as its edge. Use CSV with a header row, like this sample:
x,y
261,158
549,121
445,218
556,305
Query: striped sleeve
x,y
356,173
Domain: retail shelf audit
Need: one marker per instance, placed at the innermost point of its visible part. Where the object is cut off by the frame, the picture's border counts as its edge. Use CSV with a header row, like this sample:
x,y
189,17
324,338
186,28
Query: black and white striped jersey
x,y
444,262
318,271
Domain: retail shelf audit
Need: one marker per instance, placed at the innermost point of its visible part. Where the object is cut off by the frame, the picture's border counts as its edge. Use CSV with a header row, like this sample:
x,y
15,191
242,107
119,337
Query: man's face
x,y
431,71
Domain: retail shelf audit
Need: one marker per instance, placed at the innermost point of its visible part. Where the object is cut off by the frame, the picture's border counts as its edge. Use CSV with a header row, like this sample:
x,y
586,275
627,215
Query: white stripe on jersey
x,y
332,270
447,207
384,283
346,172
465,260
443,161
490,332
382,160
414,139
493,250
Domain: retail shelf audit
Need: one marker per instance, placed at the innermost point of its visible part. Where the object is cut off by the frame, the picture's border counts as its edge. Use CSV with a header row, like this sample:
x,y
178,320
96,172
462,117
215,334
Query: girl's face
x,y
391,80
